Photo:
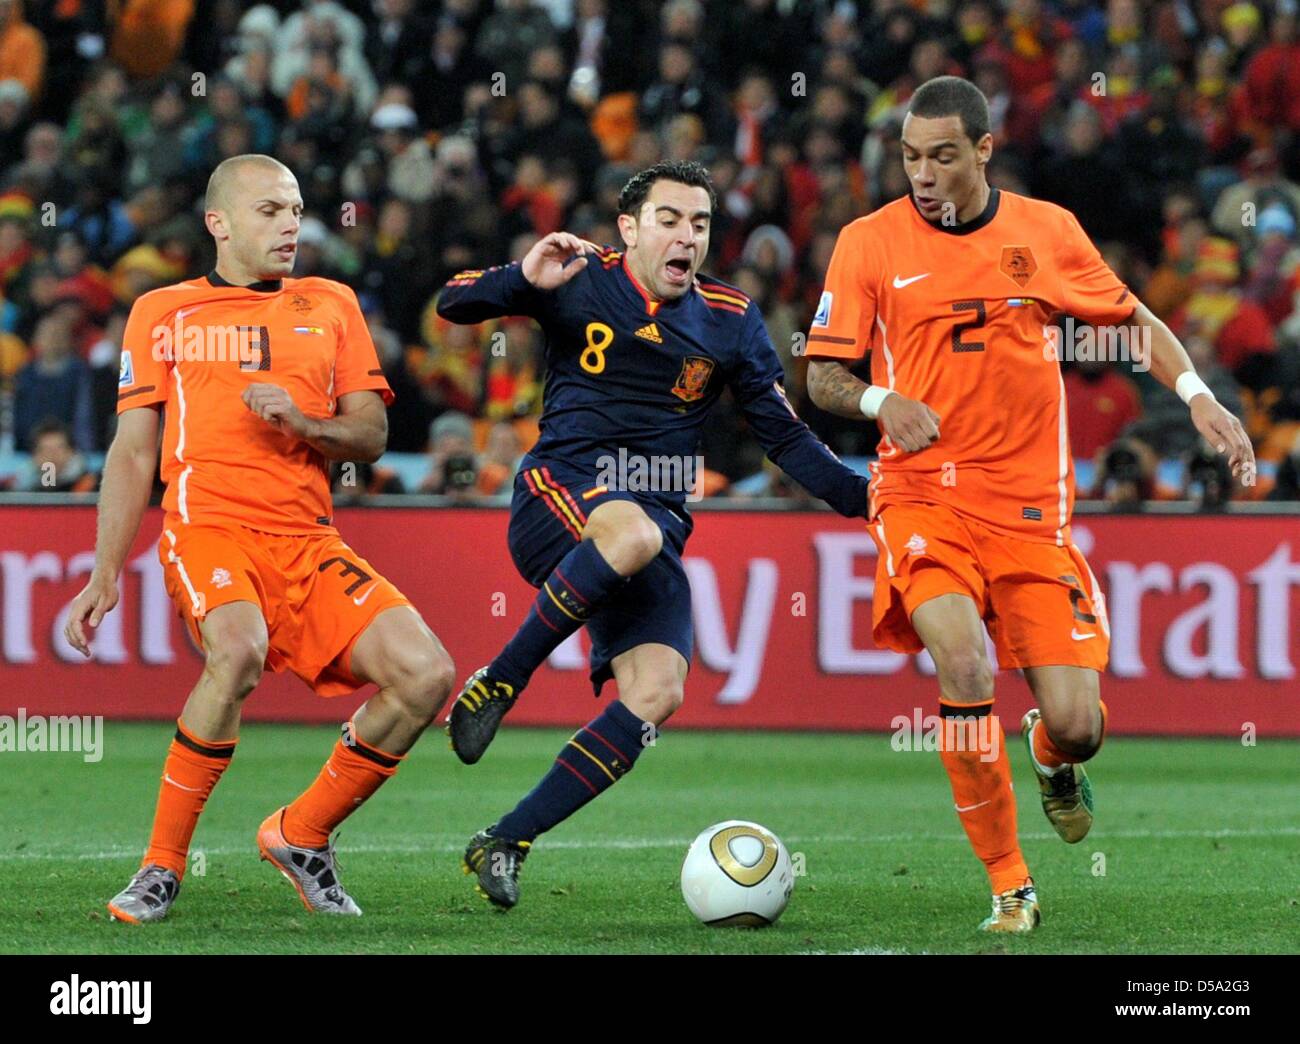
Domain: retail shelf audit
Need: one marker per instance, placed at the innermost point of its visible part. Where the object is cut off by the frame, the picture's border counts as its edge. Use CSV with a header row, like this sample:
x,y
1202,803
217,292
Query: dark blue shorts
x,y
547,514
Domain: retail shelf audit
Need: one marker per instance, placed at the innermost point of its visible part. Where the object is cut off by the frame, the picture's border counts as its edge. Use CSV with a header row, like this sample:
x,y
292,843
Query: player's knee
x,y
657,702
631,546
235,662
422,676
968,673
642,542
1076,732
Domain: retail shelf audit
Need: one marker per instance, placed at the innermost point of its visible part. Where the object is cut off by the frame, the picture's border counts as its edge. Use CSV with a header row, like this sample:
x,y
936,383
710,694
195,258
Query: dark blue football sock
x,y
598,755
576,586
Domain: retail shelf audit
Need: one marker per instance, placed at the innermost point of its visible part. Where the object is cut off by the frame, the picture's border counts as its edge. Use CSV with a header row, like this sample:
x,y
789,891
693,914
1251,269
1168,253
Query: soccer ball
x,y
737,873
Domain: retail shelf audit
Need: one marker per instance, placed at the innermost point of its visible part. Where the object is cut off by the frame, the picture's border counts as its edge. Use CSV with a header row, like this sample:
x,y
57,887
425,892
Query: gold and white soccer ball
x,y
737,873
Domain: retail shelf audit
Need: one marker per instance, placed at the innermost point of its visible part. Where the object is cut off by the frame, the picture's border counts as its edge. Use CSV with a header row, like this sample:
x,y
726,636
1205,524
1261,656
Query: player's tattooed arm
x,y
834,389
357,431
1223,431
912,425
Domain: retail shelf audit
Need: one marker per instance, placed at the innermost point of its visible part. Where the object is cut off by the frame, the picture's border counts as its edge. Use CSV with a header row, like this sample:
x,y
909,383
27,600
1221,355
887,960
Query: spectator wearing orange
x,y
324,25
149,35
500,462
22,50
1170,283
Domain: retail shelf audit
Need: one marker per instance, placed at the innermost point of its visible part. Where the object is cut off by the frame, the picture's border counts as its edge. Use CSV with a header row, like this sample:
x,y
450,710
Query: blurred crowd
x,y
430,136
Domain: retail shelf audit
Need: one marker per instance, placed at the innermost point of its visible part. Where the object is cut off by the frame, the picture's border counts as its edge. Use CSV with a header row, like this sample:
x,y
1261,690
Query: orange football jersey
x,y
195,346
956,318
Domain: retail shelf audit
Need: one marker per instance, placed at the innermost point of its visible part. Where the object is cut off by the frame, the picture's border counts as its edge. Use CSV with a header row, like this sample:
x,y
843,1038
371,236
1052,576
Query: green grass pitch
x,y
1200,843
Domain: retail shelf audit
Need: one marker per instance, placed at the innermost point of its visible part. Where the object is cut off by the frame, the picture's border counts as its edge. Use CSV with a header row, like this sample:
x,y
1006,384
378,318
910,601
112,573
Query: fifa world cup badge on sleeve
x,y
823,316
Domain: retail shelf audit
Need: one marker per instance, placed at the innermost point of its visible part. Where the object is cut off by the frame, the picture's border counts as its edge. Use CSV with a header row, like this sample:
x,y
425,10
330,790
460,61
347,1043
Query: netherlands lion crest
x,y
1018,264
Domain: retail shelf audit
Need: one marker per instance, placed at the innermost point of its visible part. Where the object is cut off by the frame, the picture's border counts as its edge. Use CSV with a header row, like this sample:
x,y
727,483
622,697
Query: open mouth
x,y
285,253
678,270
929,204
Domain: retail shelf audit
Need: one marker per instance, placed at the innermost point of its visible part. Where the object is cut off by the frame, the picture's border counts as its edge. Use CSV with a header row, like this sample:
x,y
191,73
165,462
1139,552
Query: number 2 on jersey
x,y
599,337
958,345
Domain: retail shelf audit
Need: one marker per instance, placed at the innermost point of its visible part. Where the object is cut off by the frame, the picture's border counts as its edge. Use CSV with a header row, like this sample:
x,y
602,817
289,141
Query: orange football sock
x,y
352,773
1050,756
975,755
191,770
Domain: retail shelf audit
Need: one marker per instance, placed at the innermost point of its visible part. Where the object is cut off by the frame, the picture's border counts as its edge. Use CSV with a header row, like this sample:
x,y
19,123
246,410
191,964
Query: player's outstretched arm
x,y
792,447
518,288
1172,367
357,431
910,424
787,440
123,496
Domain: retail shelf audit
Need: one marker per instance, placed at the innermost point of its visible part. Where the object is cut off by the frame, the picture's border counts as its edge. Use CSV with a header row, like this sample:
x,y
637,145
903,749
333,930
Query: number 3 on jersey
x,y
599,338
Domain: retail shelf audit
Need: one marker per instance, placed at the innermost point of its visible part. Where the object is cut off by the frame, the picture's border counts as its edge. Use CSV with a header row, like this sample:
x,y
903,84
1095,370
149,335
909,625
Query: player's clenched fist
x,y
95,602
273,404
910,424
556,259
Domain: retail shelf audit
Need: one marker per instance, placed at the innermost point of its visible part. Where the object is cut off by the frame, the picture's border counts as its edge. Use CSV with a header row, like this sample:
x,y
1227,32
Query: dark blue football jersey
x,y
627,374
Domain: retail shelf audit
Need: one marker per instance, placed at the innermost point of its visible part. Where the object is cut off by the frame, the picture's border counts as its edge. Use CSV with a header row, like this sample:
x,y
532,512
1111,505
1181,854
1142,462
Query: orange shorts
x,y
1041,603
316,594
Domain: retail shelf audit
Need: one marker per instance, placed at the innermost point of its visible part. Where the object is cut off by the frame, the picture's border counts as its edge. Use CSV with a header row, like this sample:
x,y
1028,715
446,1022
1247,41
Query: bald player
x,y
264,379
952,289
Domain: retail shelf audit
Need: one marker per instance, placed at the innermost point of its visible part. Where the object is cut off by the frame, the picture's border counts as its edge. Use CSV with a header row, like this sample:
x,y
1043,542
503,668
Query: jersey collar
x,y
973,225
651,305
263,286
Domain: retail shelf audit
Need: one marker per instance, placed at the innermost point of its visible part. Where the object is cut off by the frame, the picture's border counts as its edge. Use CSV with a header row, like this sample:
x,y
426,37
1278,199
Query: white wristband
x,y
872,398
1188,385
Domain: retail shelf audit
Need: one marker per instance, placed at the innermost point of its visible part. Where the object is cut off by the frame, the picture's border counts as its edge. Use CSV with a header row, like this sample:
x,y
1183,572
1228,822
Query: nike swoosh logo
x,y
192,790
900,283
185,311
1080,637
971,808
361,600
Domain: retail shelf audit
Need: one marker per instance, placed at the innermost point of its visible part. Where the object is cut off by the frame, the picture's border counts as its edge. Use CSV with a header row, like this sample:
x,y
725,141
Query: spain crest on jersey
x,y
695,374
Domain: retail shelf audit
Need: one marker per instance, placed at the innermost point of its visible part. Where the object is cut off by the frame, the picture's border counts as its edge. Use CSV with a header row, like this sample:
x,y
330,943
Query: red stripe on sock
x,y
578,774
588,728
576,593
548,623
